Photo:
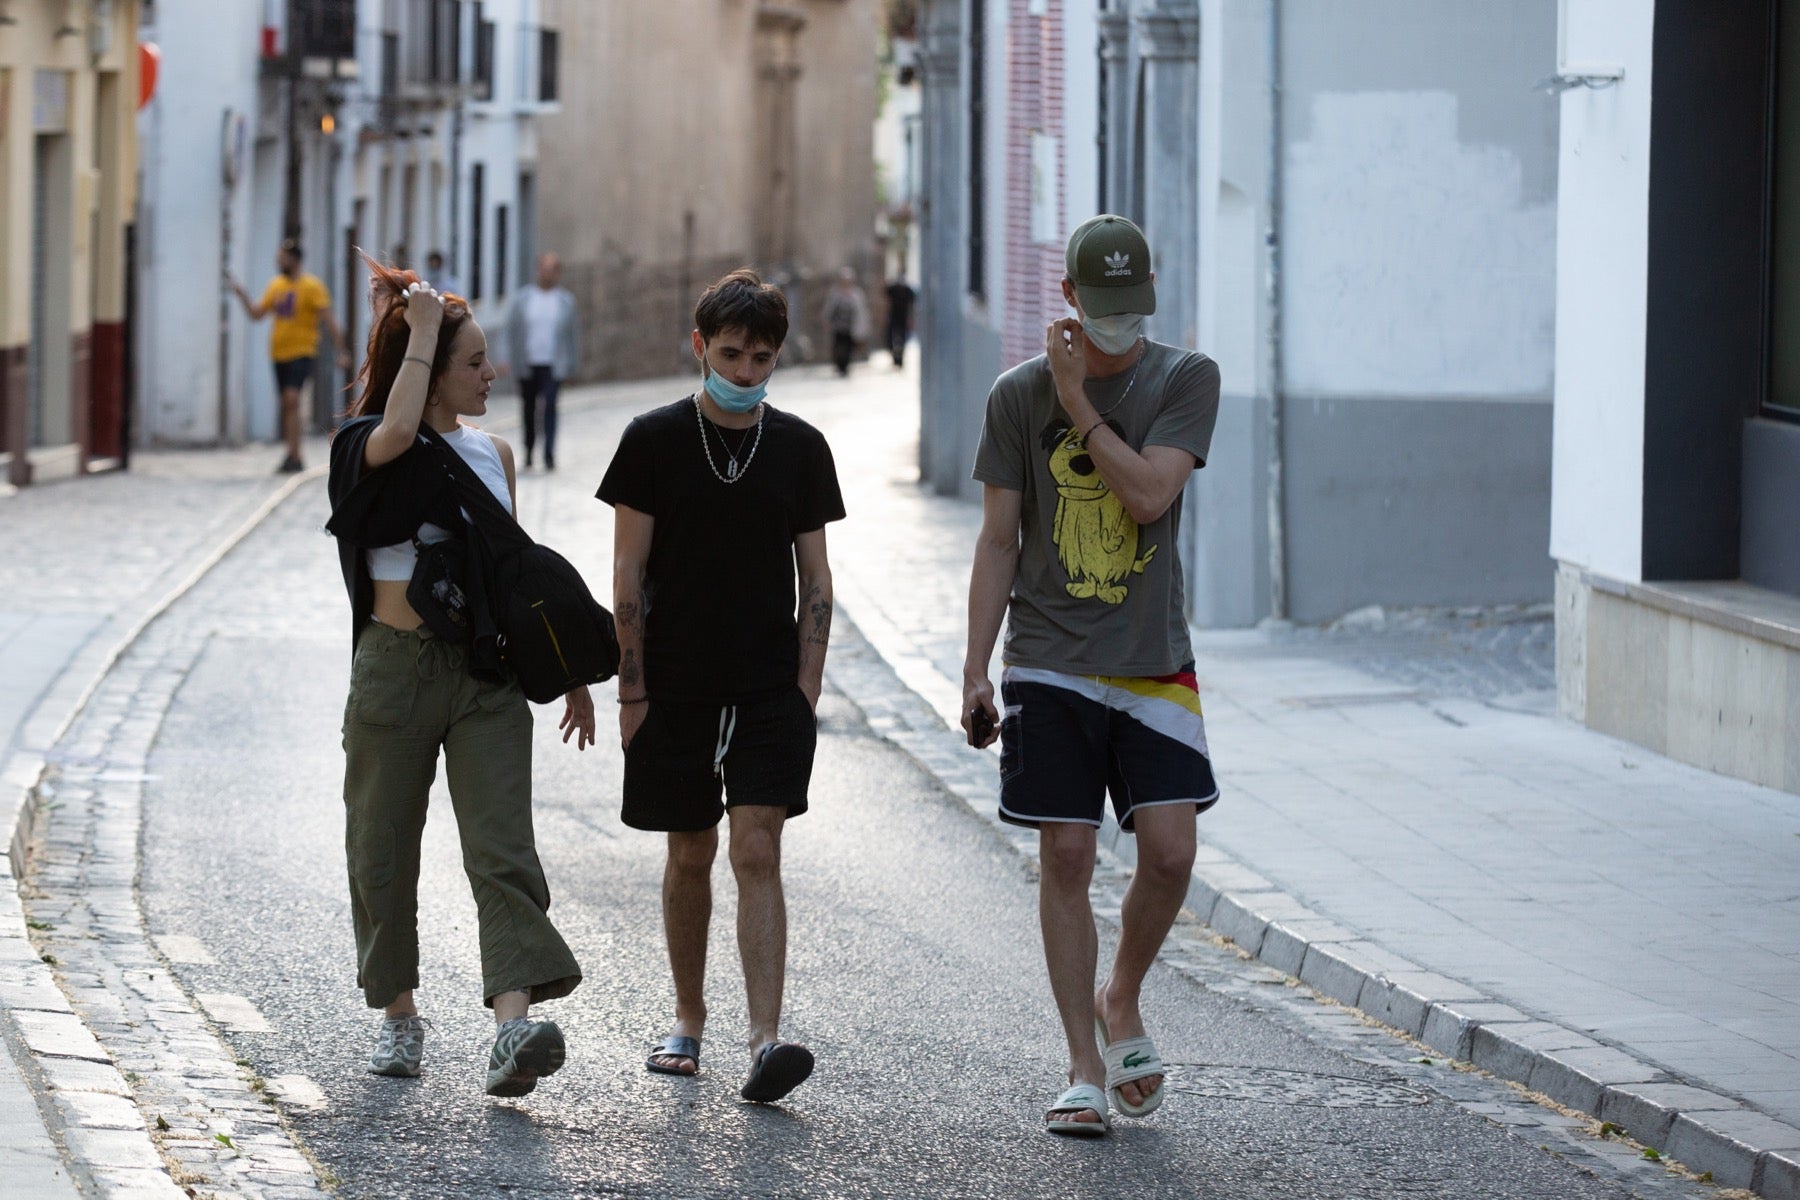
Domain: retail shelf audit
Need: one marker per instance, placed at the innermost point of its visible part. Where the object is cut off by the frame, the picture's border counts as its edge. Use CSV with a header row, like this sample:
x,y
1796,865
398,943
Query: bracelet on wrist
x,y
633,700
423,362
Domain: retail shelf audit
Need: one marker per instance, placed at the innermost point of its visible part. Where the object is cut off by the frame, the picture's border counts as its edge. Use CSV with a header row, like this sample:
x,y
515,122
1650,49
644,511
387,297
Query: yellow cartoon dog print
x,y
1096,539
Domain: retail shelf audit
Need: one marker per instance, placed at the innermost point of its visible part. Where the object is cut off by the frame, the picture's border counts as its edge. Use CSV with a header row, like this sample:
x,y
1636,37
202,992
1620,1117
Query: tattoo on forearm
x,y
818,611
630,619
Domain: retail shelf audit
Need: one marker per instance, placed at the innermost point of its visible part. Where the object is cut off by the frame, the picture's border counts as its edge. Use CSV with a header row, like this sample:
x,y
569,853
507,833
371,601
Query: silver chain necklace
x,y
733,471
731,456
1134,370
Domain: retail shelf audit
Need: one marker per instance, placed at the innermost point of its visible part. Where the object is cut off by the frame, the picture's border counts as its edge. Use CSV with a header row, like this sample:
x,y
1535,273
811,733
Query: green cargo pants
x,y
409,695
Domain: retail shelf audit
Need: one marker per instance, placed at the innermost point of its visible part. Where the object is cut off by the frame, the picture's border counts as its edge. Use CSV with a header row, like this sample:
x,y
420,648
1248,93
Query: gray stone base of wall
x,y
1707,673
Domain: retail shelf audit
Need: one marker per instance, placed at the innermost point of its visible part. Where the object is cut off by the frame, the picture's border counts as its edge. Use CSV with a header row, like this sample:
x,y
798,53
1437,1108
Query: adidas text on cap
x,y
1108,260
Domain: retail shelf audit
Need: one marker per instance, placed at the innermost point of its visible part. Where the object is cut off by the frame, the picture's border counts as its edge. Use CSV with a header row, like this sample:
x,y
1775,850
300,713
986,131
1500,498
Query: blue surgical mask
x,y
1115,334
729,396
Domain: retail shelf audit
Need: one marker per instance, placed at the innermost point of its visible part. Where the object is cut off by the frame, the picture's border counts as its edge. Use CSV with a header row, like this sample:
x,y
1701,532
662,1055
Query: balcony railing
x,y
322,29
319,40
431,46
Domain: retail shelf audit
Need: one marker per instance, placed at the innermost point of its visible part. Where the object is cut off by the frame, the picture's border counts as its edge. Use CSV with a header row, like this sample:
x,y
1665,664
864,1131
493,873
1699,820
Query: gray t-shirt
x,y
1095,593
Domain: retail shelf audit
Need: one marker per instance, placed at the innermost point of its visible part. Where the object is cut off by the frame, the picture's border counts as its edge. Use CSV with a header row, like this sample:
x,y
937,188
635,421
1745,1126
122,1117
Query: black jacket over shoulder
x,y
385,505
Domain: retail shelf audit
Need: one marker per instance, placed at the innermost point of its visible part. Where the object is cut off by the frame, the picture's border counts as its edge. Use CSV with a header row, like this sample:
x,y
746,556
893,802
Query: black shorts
x,y
294,373
685,757
1068,741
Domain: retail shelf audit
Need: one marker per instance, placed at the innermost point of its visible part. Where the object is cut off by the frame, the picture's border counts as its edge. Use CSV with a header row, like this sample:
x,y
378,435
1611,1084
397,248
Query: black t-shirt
x,y
719,588
900,302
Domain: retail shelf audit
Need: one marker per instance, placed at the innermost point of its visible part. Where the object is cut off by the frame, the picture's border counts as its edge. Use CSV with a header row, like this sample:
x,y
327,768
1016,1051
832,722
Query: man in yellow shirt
x,y
299,302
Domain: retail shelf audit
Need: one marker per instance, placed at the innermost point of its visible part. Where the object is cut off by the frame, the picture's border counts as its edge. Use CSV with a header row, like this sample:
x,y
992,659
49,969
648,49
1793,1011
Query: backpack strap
x,y
485,511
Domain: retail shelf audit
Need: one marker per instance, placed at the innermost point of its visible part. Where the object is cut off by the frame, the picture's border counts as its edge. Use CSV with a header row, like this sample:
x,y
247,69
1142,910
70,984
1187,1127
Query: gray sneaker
x,y
399,1046
523,1051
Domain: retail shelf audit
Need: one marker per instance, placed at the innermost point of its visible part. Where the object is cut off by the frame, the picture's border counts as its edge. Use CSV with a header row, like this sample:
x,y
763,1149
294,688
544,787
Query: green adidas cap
x,y
1109,262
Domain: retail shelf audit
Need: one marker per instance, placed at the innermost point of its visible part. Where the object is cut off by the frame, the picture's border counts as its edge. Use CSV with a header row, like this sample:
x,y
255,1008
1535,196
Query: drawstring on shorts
x,y
727,727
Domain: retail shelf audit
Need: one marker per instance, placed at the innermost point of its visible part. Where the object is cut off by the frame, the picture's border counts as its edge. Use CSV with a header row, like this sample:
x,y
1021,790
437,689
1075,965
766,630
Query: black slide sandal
x,y
780,1068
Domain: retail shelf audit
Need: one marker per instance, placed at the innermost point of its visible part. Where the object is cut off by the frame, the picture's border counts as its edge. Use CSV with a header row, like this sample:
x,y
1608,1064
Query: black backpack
x,y
553,634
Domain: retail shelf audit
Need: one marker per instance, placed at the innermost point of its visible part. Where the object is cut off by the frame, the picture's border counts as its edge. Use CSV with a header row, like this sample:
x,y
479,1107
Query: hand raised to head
x,y
424,307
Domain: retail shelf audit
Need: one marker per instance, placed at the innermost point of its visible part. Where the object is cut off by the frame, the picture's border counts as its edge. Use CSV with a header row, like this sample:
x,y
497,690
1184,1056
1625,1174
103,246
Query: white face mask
x,y
1115,334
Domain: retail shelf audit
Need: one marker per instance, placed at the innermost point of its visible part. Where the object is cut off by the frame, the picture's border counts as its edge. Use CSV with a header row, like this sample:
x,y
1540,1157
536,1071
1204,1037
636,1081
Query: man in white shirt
x,y
541,346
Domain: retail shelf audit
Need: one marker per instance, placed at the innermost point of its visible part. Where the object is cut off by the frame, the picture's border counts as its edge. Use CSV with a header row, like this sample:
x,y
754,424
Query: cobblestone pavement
x,y
87,562
1502,655
152,1101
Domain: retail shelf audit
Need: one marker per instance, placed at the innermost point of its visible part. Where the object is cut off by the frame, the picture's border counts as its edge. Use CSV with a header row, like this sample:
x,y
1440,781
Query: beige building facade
x,y
68,151
696,136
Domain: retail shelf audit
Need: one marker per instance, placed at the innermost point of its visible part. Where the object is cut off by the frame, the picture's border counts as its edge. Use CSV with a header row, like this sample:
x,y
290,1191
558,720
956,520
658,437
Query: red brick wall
x,y
1032,271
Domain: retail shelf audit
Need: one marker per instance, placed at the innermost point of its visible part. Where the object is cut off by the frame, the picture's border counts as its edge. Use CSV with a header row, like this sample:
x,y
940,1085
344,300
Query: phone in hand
x,y
981,725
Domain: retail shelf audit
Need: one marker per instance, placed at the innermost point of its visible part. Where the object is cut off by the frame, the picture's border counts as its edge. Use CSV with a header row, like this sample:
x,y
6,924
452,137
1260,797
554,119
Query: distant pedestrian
x,y
542,348
300,304
900,299
442,279
1083,456
719,673
412,692
847,316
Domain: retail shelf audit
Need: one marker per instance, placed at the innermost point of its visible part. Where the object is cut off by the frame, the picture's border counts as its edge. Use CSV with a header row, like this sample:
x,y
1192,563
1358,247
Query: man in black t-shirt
x,y
720,504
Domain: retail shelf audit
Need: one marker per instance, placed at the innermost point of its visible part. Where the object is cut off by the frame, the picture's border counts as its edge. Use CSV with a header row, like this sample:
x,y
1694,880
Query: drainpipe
x,y
456,139
230,136
327,408
1278,598
290,203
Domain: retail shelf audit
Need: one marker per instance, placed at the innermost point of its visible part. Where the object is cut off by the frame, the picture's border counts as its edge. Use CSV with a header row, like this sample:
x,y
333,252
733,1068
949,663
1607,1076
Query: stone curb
x,y
102,1131
1698,1128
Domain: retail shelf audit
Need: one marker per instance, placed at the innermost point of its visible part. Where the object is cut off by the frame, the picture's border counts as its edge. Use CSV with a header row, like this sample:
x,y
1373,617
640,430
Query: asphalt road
x,y
915,970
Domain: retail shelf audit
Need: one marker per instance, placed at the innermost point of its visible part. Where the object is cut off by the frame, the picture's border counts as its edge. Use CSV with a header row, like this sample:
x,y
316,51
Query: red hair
x,y
389,334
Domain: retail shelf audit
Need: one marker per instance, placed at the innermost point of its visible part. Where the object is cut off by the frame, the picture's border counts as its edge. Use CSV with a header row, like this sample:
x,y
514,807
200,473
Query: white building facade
x,y
394,126
1676,515
898,150
1352,207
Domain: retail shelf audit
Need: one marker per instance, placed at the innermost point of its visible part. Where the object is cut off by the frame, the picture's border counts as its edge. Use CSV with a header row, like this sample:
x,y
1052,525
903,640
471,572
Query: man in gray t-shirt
x,y
1084,454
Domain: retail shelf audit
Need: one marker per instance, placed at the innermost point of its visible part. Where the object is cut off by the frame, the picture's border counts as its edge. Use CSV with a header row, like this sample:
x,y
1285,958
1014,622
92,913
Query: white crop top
x,y
477,449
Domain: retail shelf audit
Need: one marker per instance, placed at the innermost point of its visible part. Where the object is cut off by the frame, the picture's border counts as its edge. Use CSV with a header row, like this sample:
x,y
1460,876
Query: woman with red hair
x,y
414,691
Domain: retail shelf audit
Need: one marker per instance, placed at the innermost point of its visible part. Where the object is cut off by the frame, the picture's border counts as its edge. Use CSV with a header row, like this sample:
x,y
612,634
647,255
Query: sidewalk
x,y
1427,841
77,593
